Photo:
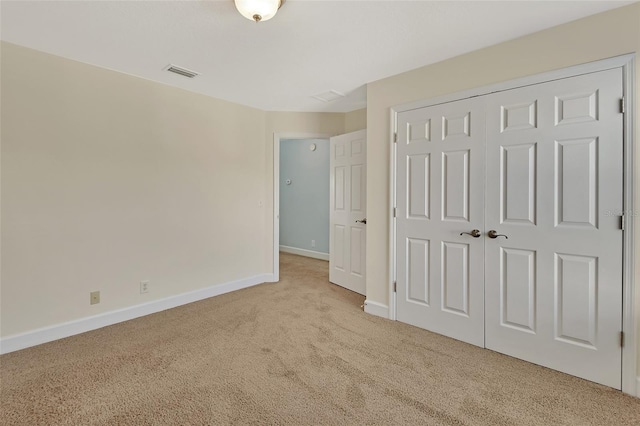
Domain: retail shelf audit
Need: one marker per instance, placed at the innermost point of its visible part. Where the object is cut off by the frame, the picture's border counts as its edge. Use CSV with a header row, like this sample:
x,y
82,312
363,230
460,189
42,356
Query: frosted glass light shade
x,y
258,10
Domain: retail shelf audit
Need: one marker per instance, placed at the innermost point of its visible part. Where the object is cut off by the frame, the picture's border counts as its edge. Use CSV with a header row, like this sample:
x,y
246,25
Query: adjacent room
x,y
319,212
304,197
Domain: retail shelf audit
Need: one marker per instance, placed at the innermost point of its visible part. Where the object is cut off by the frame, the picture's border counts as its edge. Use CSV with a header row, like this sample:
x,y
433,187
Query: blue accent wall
x,y
304,204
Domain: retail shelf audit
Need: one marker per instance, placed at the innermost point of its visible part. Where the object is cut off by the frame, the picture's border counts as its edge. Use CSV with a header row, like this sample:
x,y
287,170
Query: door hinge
x,y
395,137
395,212
395,286
622,111
622,339
622,222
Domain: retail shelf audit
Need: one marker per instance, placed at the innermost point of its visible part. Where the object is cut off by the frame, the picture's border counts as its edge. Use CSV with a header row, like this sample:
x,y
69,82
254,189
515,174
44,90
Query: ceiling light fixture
x,y
258,10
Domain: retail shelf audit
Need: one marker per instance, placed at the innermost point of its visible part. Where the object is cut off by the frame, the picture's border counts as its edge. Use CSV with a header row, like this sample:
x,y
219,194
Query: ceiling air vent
x,y
181,71
329,96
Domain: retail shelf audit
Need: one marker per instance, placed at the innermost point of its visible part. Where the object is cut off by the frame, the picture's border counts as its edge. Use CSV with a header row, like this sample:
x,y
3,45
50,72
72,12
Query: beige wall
x,y
601,36
108,180
355,120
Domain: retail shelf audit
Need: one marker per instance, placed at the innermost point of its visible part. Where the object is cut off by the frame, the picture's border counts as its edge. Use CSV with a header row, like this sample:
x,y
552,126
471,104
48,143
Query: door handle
x,y
363,221
494,234
475,233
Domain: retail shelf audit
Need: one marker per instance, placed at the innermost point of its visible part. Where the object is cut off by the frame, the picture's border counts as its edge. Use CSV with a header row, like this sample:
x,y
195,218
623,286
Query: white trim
x,y
71,328
306,253
629,293
637,387
392,221
377,309
277,137
626,63
276,207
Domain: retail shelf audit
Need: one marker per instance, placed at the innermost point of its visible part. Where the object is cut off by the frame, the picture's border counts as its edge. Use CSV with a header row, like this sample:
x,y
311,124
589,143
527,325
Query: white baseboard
x,y
377,309
60,331
303,252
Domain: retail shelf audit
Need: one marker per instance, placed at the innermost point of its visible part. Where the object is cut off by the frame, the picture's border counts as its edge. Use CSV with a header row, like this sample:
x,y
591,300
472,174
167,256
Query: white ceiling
x,y
309,48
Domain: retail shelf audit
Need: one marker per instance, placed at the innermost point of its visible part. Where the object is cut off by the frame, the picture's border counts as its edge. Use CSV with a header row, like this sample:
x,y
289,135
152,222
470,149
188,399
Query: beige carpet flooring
x,y
298,352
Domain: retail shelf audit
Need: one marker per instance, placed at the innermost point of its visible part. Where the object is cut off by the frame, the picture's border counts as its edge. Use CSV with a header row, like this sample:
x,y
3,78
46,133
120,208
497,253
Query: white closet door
x,y
348,211
440,194
554,183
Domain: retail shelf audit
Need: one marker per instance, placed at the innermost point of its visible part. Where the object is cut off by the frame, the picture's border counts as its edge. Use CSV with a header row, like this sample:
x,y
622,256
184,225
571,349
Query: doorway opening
x,y
304,197
343,215
299,196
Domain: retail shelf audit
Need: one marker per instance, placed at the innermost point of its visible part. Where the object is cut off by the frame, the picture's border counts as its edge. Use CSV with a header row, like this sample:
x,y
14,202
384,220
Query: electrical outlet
x,y
94,297
313,243
144,287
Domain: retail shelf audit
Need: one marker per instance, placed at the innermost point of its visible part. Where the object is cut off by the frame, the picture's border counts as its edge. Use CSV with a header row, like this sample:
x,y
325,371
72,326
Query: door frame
x,y
630,383
277,138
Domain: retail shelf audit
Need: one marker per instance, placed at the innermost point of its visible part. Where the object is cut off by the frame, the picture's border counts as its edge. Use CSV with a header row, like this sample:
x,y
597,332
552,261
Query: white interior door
x,y
348,205
554,181
440,202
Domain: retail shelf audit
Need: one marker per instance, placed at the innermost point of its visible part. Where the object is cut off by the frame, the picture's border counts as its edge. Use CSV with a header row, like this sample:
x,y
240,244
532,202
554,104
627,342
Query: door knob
x,y
363,221
475,233
493,234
